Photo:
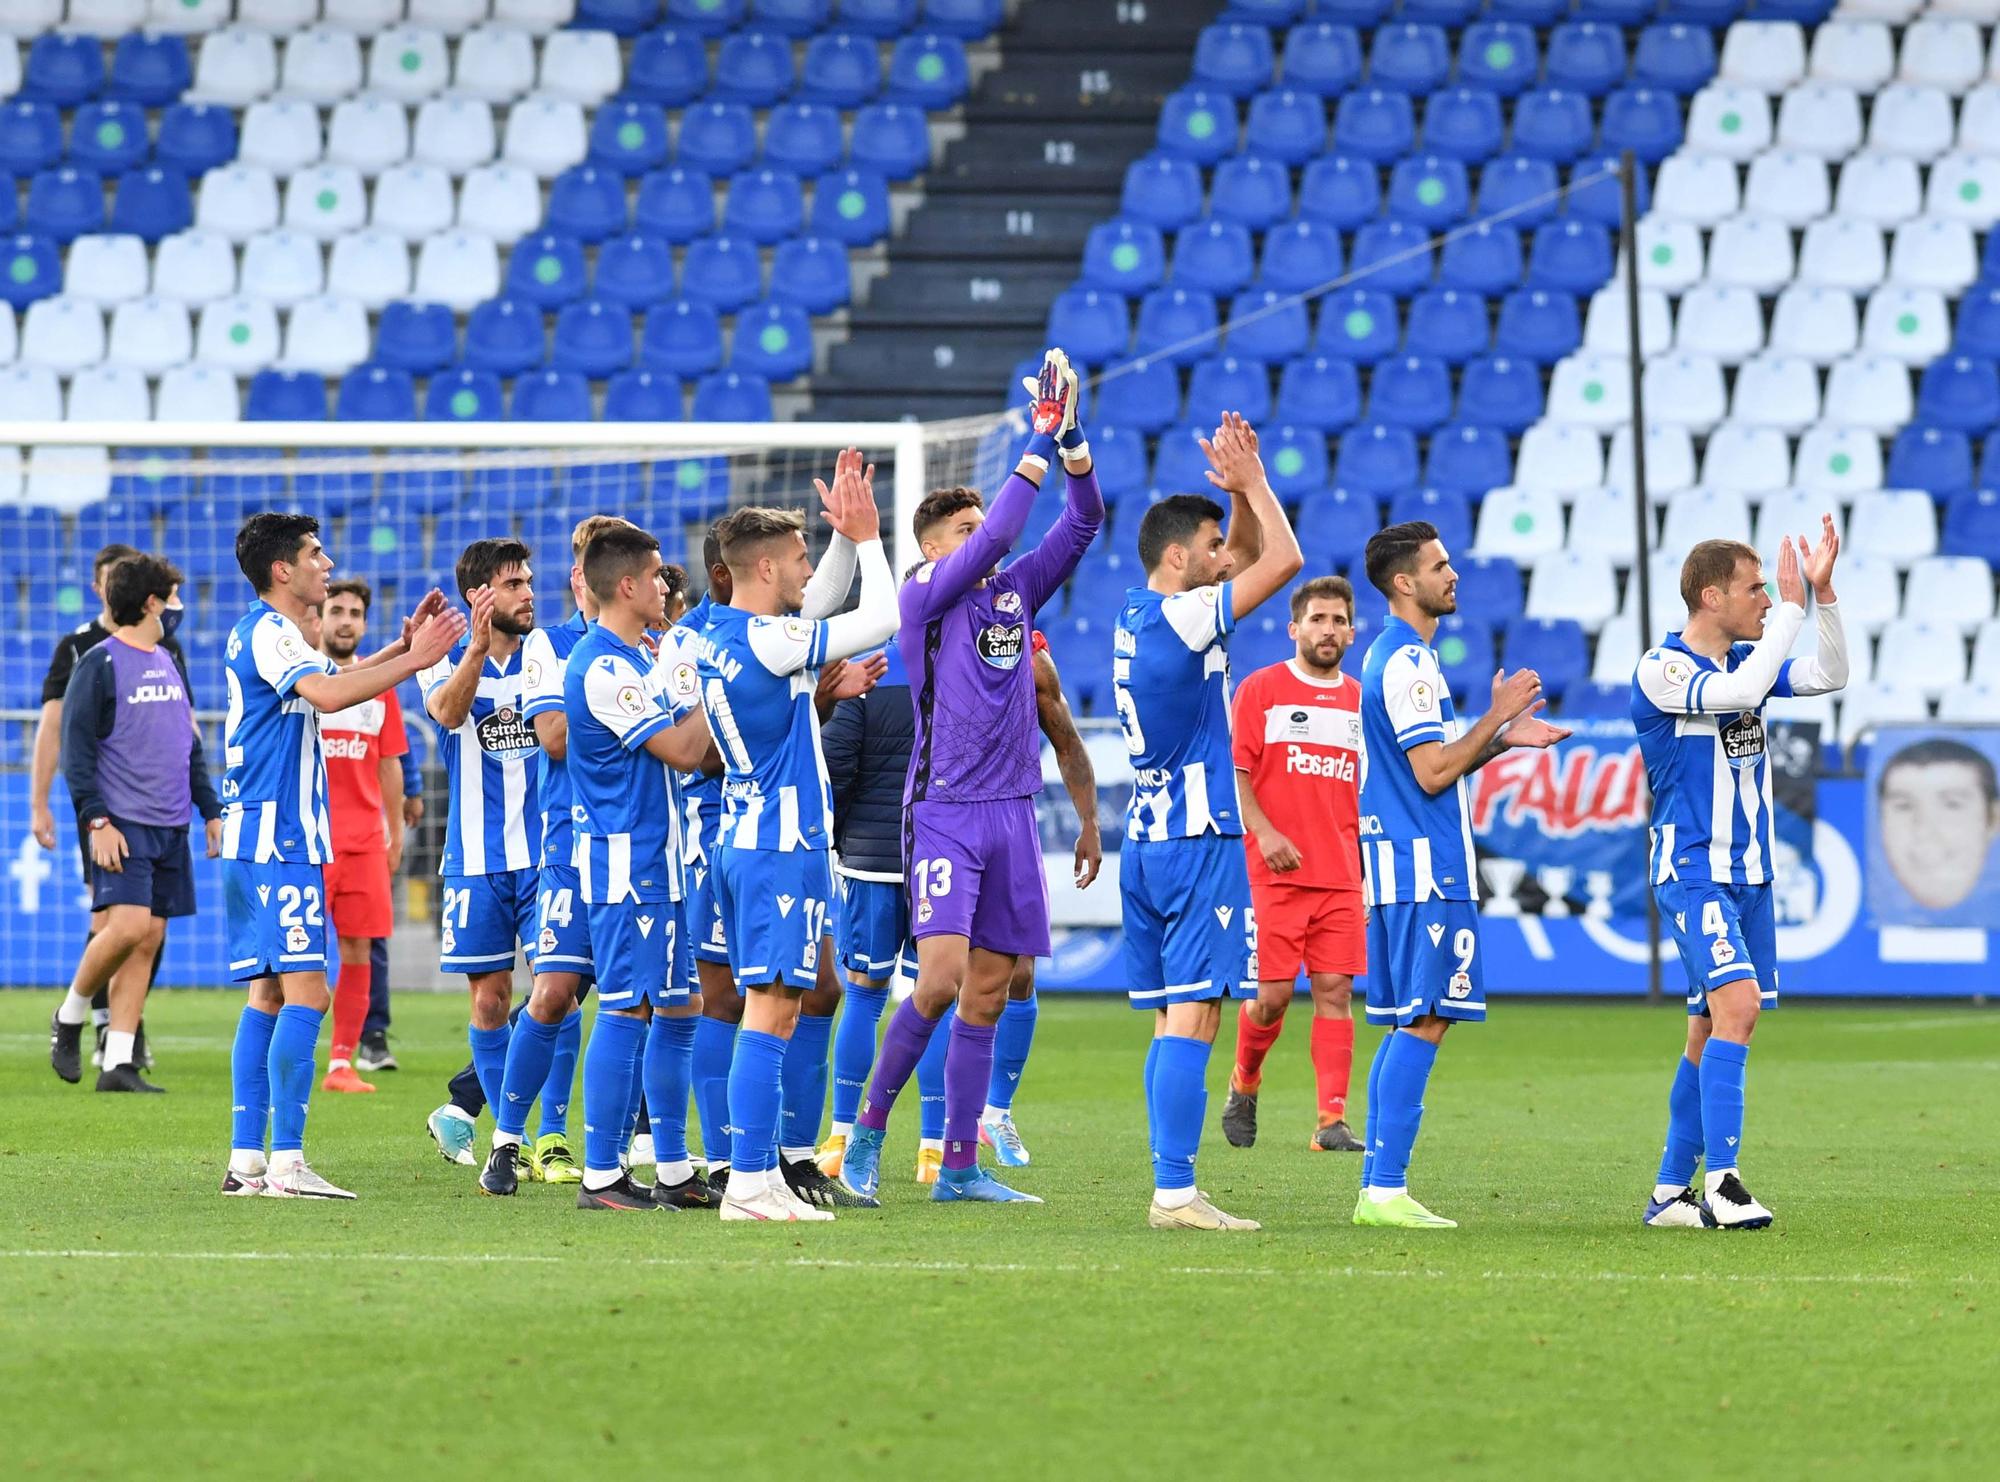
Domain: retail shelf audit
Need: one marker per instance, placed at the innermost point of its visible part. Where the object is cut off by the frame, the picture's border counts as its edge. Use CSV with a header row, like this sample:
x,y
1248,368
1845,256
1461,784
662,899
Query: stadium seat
x,y
546,270
1236,59
772,340
1565,459
150,335
1092,325
108,393
504,336
1925,656
593,338
368,133
1322,57
1972,526
192,266
546,135
1553,647
841,70
636,271
1820,119
851,206
1953,590
412,201
282,267
369,266
1672,57
1410,58
1161,190
1119,457
1465,654
325,201
1601,524
631,138
731,396
408,64
1127,257
285,396
1499,391
1465,123
1216,257
642,396
1429,189
1569,257
1585,57
1519,523
108,136
1702,188
1410,391
803,138
1749,460
1296,460
1219,383
1251,192
1726,324
721,270
1468,459
1448,325
764,205
462,394
1139,395
753,67
376,393
892,139
1319,391
455,134
66,202
1537,325
1687,389
676,204
1485,260
1334,526
928,70
1577,586
1286,124
1500,56
106,270
1551,124
63,69
1394,256
457,268
1375,459
969,20
811,272
150,70
326,335
1522,188
1358,323
553,395
682,338
63,333
1341,191
1379,126
495,64
1176,324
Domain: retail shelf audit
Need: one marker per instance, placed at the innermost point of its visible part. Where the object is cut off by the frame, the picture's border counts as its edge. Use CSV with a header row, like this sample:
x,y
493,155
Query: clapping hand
x,y
849,506
1818,562
1791,588
1234,465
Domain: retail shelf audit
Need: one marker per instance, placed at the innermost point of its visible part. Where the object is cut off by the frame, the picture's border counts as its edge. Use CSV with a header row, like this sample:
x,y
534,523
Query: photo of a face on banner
x,y
1934,829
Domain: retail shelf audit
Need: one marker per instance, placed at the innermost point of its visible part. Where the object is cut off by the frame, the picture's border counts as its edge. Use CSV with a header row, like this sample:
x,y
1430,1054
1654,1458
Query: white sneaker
x,y
1735,1207
771,1202
639,1152
243,1183
1198,1214
1682,1210
298,1181
807,1210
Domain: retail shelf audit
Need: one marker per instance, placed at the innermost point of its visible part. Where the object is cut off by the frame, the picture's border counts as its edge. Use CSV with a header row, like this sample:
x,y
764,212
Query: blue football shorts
x,y
276,918
1423,959
1725,933
484,916
562,934
1190,934
776,907
872,927
636,955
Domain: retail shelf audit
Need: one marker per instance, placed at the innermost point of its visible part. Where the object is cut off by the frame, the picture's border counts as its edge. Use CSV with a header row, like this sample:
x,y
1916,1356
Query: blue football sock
x,y
294,1041
529,1053
756,1080
1370,1127
1723,1064
250,1079
804,1100
930,1081
669,1072
560,1082
489,1059
1406,1070
714,1048
1180,1103
1011,1044
854,1048
1152,1069
1683,1126
608,1066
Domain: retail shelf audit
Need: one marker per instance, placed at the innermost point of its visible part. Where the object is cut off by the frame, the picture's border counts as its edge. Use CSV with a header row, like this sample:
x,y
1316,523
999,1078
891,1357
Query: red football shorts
x,y
1323,930
357,895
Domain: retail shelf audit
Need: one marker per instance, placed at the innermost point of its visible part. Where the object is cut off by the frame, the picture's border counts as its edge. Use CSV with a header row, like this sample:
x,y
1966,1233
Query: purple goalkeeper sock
x,y
968,1067
902,1047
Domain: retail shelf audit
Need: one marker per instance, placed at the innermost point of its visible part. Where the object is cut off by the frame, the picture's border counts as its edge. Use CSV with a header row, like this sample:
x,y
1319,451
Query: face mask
x,y
170,619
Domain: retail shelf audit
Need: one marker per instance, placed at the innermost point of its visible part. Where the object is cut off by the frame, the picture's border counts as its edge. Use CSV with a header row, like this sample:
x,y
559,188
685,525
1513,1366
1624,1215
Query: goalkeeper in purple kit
x,y
978,895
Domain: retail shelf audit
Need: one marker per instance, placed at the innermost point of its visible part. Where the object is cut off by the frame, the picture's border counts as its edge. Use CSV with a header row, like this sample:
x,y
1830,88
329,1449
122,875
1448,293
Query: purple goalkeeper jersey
x,y
965,645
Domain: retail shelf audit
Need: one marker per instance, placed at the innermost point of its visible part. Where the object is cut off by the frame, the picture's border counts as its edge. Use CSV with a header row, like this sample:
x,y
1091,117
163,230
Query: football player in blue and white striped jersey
x,y
1698,702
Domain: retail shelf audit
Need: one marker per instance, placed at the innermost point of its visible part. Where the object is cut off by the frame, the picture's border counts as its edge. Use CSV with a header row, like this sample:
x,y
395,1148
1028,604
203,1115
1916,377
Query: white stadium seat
x,y
1746,459
326,201
546,135
1869,595
151,334
68,478
1699,514
1936,254
1821,119
1924,655
1753,252
283,267
187,17
538,16
279,17
1727,120
1956,591
412,201
282,135
29,18
1669,459
1766,55
495,63
1776,391
106,269
1986,653
583,66
409,64
453,17
369,133
1555,456
31,393
1573,584
454,134
1941,53
1687,389
1518,523
1887,189
1986,12
237,201
322,65
1911,324
1979,120
107,19
1724,323
1819,710
1842,252
1857,54
194,267
1617,653
1701,188
370,266
235,66
238,334
1964,187
1590,389
364,16
326,335
1898,525
1842,462
1601,523
1877,702
1788,184
1869,391
1911,121
1977,704
458,268
503,201
1819,324
1792,512
1670,256
63,333
10,66
109,393
1668,609
1607,322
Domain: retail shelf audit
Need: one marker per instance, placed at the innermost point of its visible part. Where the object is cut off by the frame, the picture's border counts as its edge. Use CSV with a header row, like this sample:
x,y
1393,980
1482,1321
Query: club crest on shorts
x,y
1460,986
923,912
546,942
448,939
296,940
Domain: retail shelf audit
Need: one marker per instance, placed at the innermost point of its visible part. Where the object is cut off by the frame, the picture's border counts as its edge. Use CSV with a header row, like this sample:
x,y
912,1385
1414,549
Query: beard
x,y
340,650
513,626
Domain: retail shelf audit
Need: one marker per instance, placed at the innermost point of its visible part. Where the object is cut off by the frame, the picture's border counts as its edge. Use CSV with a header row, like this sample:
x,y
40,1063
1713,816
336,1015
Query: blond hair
x,y
588,529
1711,564
742,533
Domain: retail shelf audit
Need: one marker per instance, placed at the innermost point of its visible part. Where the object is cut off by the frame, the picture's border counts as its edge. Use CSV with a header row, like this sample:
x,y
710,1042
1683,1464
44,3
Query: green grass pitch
x,y
150,1328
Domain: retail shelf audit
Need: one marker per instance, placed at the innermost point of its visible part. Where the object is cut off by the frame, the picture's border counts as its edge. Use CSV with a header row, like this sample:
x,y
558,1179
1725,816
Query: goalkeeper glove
x,y
1053,396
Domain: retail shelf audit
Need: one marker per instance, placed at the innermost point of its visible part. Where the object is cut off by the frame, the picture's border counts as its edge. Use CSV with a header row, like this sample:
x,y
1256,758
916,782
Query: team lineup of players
x,y
642,798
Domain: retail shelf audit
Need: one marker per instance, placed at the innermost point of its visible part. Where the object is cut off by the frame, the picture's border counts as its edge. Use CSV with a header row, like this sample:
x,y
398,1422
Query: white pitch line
x,y
1001,1268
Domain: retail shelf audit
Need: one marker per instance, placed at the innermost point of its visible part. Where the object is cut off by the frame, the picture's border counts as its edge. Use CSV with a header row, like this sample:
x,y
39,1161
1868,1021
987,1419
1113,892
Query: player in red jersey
x,y
1297,728
363,745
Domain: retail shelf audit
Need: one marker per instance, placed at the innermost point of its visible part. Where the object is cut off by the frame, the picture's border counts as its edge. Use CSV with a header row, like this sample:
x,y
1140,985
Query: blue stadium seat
x,y
1402,252
1959,393
1260,640
1485,261
1430,190
592,337
753,67
1334,525
803,137
970,20
33,269
1092,325
1119,455
642,396
156,487
552,396
1595,192
1322,57
851,206
1538,325
108,136
1978,325
462,394
1198,124
152,203
1645,120
668,67
765,205
1299,255
1163,190
63,68
1511,182
1179,466
891,138
928,70
1179,323
416,337
149,69
1498,391
731,396
1722,12
395,532
1937,459
1466,458
31,136
1617,12
1553,647
879,18
1250,191
1214,256
376,393
1139,395
1126,257
1552,124
1375,125
683,338
193,137
1377,460
841,70
1447,509
629,137
1409,58
1570,257
589,201
1465,653
1988,476
677,204
1358,324
1972,526
1674,58
1488,585
1235,59
285,396
773,340
795,18
1464,123
1586,57
1451,13
624,17
1410,391
1287,124
636,271
66,203
811,272
1597,699
1320,391
1805,12
546,270
1529,12
1268,325
1499,56
1224,383
1448,325
716,138
1295,459
504,335
1341,190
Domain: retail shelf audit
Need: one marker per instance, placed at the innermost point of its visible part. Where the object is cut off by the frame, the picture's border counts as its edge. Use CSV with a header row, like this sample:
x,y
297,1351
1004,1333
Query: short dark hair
x,y
111,555
130,582
1173,521
1323,589
613,554
586,530
1393,551
711,551
738,531
1711,564
942,504
485,559
350,586
267,537
1943,751
675,576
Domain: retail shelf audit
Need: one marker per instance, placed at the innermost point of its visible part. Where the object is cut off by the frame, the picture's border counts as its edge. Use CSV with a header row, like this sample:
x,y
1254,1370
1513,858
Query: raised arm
x,y
1411,691
832,578
1235,467
1826,670
938,584
1043,570
1073,762
327,693
448,696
